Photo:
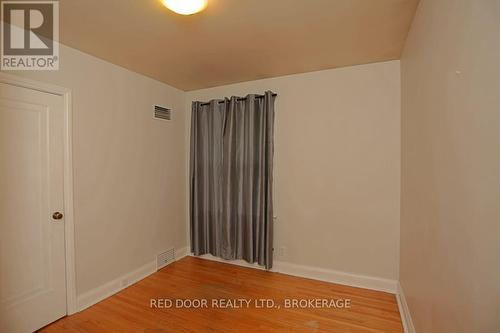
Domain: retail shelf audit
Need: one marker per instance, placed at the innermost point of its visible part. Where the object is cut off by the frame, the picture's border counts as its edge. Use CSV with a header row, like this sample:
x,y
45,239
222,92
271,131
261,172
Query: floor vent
x,y
165,258
162,113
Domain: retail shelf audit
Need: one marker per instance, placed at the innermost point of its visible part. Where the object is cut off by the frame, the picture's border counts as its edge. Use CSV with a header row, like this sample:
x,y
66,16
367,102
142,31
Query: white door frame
x,y
69,228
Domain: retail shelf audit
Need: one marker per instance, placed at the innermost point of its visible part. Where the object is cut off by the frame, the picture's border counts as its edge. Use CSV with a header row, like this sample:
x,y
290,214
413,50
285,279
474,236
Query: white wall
x,y
450,221
337,165
129,192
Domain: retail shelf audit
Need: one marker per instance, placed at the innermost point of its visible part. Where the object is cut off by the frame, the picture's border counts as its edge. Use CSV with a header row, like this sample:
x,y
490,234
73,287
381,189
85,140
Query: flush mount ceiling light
x,y
185,7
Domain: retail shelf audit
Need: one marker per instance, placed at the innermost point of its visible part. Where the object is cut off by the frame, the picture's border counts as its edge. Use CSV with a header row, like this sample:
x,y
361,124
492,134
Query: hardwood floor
x,y
194,278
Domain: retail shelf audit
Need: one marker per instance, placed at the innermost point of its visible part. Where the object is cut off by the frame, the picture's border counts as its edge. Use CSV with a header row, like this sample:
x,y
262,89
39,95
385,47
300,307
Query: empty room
x,y
250,166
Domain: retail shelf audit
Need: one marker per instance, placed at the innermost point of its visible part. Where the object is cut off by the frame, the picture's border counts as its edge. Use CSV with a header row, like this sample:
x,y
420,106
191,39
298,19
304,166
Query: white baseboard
x,y
404,311
316,273
110,288
232,262
333,276
181,253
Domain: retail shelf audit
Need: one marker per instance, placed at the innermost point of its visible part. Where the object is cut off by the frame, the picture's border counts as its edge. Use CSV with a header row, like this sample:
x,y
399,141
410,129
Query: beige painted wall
x,y
129,187
337,166
450,213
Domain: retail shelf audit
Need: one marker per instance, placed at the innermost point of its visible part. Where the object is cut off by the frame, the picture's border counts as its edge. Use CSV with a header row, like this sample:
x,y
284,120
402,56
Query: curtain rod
x,y
238,99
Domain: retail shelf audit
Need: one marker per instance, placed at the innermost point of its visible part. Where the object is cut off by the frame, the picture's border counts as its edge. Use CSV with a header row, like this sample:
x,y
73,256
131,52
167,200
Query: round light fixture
x,y
185,7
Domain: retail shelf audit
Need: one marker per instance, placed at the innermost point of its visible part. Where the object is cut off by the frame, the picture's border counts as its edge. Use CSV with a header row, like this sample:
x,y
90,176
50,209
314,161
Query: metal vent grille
x,y
162,113
165,258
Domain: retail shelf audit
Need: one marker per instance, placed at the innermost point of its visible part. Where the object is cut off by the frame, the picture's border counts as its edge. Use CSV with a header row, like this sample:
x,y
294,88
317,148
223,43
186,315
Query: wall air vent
x,y
165,258
162,113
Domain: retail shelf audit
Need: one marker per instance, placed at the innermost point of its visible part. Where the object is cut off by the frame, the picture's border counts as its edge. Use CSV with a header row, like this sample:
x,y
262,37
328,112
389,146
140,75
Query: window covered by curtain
x,y
231,178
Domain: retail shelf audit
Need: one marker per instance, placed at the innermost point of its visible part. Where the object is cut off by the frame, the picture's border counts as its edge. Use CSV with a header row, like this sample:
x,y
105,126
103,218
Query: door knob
x,y
57,216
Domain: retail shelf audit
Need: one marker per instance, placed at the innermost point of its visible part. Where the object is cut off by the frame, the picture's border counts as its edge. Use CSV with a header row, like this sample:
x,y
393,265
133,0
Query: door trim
x,y
69,227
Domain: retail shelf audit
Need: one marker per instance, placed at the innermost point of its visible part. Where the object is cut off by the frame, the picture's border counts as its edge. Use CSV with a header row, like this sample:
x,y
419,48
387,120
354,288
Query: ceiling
x,y
236,40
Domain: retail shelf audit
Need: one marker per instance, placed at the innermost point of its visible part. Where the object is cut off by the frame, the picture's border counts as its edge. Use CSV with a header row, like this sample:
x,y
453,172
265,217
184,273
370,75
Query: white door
x,y
32,255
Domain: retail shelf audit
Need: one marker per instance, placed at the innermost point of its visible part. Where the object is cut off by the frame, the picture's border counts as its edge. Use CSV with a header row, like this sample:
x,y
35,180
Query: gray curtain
x,y
231,178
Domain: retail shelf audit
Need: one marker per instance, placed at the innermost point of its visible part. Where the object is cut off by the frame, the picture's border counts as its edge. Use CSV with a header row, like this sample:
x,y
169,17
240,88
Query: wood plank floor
x,y
194,278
